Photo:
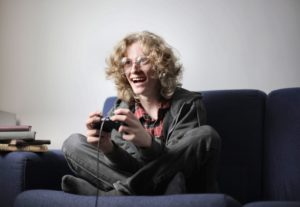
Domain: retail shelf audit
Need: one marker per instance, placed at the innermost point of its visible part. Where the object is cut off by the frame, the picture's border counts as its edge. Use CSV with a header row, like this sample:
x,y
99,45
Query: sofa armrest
x,y
20,171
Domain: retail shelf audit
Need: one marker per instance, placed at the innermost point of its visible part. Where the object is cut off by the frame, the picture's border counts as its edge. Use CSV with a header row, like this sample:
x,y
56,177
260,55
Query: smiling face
x,y
139,73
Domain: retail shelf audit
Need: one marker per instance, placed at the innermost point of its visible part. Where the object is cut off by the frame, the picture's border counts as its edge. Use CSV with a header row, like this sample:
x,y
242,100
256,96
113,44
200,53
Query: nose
x,y
135,67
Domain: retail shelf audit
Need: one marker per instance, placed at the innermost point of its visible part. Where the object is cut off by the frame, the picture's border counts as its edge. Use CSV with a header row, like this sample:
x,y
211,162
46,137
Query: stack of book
x,y
21,138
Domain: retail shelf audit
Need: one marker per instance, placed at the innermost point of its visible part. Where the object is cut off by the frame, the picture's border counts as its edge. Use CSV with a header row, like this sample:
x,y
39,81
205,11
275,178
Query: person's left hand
x,y
131,128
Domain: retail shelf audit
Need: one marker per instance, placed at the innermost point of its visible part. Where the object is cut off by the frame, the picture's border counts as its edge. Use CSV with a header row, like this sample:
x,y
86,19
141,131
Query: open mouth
x,y
138,80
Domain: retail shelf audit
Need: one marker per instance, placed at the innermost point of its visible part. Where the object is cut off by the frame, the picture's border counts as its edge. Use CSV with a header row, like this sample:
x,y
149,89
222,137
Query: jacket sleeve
x,y
190,115
124,157
128,156
184,117
155,150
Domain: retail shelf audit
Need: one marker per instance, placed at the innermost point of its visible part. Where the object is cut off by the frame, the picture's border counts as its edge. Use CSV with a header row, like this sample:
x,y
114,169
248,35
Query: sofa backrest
x,y
238,116
282,145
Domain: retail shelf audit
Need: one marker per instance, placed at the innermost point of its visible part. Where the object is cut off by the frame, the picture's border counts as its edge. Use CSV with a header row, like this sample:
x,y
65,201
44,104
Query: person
x,y
163,145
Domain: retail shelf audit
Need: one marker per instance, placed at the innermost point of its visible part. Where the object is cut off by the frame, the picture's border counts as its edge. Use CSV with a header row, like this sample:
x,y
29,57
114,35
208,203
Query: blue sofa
x,y
259,164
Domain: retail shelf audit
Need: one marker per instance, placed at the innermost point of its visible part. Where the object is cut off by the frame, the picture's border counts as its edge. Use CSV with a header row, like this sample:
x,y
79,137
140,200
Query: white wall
x,y
52,52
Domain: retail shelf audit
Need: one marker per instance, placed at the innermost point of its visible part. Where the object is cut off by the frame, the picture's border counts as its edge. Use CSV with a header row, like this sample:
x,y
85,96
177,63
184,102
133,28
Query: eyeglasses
x,y
139,61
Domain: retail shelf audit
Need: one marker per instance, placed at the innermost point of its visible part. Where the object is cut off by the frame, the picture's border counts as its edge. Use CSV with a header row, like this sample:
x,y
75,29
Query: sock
x,y
75,185
176,185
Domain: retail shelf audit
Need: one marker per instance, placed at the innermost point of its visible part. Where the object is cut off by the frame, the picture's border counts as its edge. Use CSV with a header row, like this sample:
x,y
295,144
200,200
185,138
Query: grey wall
x,y
52,52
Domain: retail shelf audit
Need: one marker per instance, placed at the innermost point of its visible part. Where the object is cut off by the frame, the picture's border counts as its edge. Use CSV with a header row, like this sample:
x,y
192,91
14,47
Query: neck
x,y
149,102
151,105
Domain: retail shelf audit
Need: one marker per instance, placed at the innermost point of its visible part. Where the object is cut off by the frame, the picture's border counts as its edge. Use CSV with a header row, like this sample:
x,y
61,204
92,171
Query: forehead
x,y
134,50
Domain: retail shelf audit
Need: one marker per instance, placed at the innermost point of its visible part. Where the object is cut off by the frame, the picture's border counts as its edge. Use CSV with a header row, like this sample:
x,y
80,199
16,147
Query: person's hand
x,y
92,133
131,128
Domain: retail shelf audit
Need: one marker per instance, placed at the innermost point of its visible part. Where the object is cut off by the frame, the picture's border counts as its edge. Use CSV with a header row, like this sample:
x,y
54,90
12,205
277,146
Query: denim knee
x,y
204,134
73,143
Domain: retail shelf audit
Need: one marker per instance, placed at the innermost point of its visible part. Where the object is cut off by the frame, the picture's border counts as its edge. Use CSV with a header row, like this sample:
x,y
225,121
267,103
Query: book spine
x,y
29,148
9,128
26,135
21,142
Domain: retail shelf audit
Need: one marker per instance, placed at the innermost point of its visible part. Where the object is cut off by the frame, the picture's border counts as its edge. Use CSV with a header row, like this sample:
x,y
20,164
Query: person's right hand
x,y
92,133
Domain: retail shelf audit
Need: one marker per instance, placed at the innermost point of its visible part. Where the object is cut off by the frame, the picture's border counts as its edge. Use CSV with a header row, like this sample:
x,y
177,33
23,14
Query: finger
x,y
127,137
129,119
125,129
92,139
122,111
120,118
92,122
92,132
95,113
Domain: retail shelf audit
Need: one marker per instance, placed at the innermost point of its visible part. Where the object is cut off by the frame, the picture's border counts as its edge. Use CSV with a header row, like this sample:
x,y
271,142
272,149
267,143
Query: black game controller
x,y
109,125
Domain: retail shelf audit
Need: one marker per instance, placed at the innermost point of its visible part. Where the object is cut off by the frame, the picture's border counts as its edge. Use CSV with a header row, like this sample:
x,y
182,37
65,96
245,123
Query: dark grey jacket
x,y
186,112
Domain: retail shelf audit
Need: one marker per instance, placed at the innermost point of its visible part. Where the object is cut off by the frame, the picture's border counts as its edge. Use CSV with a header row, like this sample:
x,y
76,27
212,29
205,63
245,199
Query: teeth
x,y
137,79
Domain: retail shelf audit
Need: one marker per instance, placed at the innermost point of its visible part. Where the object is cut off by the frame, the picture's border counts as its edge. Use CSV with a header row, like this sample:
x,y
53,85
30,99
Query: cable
x,y
97,166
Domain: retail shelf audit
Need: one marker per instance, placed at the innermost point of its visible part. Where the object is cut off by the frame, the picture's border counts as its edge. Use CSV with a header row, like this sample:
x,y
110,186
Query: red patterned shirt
x,y
153,126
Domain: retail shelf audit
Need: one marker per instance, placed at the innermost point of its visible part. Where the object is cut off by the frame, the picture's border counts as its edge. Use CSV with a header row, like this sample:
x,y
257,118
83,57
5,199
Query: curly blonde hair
x,y
165,64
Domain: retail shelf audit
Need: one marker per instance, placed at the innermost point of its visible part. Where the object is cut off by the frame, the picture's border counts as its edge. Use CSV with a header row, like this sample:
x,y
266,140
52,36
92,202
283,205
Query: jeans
x,y
196,155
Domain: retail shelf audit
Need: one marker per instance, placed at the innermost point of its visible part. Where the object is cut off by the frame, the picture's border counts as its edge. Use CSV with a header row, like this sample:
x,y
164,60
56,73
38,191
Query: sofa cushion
x,y
273,204
27,170
48,198
282,145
